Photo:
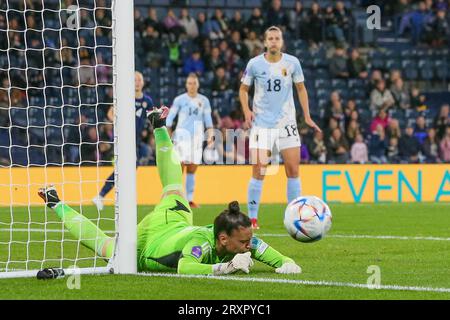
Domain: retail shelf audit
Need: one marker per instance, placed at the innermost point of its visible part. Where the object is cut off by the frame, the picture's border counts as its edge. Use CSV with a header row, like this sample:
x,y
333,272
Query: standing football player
x,y
194,115
143,104
272,118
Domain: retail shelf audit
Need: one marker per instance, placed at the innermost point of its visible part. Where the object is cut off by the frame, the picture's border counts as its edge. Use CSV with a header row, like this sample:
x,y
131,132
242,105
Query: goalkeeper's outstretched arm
x,y
261,251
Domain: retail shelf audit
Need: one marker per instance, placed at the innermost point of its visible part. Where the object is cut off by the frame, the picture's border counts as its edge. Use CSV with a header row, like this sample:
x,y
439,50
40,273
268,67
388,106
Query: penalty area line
x,y
301,282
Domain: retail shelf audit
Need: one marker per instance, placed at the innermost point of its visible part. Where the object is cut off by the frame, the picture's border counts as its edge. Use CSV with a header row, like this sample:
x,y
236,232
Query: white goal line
x,y
301,282
269,235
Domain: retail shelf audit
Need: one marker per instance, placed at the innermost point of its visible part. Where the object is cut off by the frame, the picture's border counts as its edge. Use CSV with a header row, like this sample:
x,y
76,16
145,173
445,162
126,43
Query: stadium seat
x,y
36,116
36,156
410,69
393,64
19,155
54,135
53,116
356,83
19,117
425,69
357,93
252,3
322,83
440,70
339,84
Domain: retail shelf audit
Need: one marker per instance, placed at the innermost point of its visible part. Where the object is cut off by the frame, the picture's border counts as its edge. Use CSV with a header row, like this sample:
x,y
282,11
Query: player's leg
x,y
190,183
78,225
261,143
167,160
109,184
291,159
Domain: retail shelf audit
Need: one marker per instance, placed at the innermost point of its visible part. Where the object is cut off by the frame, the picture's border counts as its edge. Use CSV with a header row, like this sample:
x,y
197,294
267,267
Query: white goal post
x,y
56,95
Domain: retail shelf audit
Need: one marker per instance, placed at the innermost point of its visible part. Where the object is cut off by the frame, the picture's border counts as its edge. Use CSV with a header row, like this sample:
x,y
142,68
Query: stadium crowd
x,y
369,112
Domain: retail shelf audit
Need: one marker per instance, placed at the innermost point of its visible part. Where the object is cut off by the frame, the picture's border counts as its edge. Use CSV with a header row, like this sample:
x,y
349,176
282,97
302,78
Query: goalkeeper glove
x,y
241,261
289,268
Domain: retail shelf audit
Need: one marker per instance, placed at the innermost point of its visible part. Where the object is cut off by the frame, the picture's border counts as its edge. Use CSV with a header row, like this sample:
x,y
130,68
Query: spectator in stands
x,y
313,26
338,63
317,148
430,147
221,20
359,152
88,149
381,97
208,28
445,146
338,149
333,31
151,43
103,18
442,120
220,82
172,25
392,151
418,20
409,147
139,22
189,24
152,20
353,129
238,46
256,22
276,16
382,119
106,142
304,153
374,78
194,64
441,5
393,129
214,60
418,100
349,108
343,19
437,30
356,65
393,76
295,19
400,94
253,41
420,130
378,145
238,24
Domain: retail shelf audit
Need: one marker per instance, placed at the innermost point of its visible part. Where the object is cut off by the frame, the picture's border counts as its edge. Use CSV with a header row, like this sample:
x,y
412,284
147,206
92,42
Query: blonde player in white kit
x,y
273,119
194,115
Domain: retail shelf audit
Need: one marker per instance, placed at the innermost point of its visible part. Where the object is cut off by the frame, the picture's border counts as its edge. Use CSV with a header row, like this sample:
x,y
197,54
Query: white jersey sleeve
x,y
297,75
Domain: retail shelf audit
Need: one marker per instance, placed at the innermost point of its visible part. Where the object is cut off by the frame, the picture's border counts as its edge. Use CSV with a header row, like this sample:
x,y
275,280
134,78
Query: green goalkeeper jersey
x,y
168,241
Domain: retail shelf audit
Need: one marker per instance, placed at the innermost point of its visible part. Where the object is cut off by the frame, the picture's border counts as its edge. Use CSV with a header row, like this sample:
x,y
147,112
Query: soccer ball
x,y
307,219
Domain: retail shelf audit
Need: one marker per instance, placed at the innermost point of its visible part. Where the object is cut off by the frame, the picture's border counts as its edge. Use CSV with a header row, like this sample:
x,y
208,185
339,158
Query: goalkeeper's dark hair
x,y
231,219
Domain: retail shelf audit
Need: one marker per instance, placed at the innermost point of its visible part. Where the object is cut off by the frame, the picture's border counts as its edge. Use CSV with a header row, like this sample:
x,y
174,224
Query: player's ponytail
x,y
233,207
231,219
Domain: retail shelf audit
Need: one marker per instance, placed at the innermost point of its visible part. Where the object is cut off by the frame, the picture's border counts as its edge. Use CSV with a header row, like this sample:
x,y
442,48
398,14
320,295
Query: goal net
x,y
61,124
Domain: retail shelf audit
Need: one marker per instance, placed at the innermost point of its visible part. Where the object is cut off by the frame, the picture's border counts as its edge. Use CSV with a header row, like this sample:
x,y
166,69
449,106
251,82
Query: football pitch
x,y
405,246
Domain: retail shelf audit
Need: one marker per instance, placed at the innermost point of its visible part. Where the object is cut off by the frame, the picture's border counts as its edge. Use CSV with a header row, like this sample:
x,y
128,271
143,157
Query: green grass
x,y
410,262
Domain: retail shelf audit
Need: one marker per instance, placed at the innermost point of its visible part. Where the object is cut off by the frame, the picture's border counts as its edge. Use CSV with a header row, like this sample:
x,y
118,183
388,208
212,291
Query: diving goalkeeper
x,y
167,239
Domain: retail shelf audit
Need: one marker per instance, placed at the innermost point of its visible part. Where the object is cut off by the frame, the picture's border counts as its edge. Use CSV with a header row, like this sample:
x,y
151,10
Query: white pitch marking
x,y
345,236
302,282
